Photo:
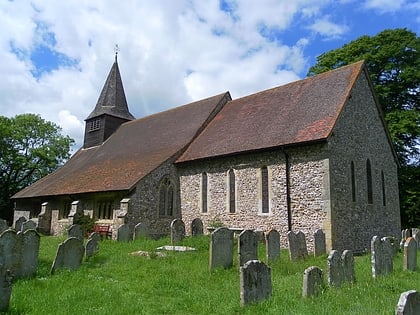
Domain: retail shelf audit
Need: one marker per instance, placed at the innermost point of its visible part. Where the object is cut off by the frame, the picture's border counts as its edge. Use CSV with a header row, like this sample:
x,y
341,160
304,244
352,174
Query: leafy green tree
x,y
30,148
393,61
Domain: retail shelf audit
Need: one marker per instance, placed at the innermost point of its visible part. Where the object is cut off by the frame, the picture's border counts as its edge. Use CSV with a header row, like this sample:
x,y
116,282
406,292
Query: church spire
x,y
111,109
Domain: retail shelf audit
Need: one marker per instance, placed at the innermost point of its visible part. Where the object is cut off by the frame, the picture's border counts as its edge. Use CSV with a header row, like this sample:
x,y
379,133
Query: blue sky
x,y
56,55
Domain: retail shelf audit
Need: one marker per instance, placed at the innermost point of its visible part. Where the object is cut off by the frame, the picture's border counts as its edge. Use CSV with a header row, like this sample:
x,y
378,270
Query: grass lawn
x,y
115,282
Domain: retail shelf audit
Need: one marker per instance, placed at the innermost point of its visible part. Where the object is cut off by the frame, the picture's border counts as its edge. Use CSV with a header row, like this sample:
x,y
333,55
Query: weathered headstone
x,y
196,227
335,269
417,238
177,230
6,278
272,245
140,230
221,248
69,255
75,231
28,225
124,233
297,245
347,261
18,223
96,236
312,281
406,233
410,254
11,245
3,225
320,247
30,253
255,282
92,247
409,303
382,256
247,246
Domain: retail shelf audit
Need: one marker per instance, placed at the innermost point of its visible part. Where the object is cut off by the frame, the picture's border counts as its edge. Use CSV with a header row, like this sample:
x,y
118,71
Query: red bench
x,y
103,229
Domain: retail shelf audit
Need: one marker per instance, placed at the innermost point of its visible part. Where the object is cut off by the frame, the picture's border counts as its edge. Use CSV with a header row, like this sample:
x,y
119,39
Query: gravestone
x,y
30,252
177,230
406,233
335,269
196,227
221,248
312,281
3,225
92,247
140,230
6,278
95,236
28,225
410,254
417,238
75,231
255,282
247,246
409,303
272,245
347,261
297,245
124,233
11,245
320,247
69,255
382,256
18,223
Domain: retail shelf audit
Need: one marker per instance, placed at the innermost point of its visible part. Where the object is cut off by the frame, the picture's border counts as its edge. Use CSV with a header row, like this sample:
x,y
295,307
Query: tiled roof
x,y
299,112
136,148
112,99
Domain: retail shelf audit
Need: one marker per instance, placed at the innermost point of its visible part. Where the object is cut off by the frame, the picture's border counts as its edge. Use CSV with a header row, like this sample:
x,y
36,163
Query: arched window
x,y
232,192
369,182
264,190
204,184
383,188
353,182
166,198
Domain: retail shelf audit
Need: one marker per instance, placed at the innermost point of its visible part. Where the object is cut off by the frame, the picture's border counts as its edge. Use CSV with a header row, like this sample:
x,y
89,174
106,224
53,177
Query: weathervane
x,y
116,49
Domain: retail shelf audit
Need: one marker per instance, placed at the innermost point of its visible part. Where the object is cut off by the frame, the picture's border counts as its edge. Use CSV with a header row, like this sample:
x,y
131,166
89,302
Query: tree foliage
x,y
393,61
30,148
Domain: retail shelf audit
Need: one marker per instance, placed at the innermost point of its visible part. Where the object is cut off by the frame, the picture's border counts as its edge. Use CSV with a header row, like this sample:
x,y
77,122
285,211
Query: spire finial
x,y
116,49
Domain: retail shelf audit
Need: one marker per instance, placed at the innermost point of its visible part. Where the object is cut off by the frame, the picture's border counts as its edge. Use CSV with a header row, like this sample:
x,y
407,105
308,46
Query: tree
x,y
393,61
30,148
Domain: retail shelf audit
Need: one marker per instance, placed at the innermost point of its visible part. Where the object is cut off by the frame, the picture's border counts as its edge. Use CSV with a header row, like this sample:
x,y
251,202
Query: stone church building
x,y
307,155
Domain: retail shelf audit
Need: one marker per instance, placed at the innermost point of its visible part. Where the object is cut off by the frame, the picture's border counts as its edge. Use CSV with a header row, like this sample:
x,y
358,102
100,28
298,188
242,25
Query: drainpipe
x,y
288,202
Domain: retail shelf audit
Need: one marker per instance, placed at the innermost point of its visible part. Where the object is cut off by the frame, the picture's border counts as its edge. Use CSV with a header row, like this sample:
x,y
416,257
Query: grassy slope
x,y
114,282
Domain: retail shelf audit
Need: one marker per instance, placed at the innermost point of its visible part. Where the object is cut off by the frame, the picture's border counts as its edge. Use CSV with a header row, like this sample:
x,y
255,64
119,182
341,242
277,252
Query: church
x,y
311,154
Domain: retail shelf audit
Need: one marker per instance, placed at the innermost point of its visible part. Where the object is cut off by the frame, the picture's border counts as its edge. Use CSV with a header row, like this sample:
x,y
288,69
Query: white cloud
x,y
384,6
328,29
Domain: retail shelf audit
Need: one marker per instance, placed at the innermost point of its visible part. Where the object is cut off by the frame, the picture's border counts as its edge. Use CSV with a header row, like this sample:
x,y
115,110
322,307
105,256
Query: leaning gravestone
x,y
177,230
272,245
408,304
6,278
11,245
255,282
75,231
18,223
347,261
312,281
92,247
3,225
95,236
30,253
382,256
297,245
221,248
124,233
140,230
196,227
320,247
410,254
69,255
28,225
247,246
335,269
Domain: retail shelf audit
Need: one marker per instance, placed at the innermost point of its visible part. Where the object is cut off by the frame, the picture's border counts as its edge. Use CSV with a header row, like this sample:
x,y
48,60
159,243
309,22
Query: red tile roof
x,y
136,148
299,112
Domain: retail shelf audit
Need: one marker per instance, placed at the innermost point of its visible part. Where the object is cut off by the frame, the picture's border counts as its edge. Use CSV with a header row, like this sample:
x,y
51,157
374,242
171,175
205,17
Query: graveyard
x,y
114,280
